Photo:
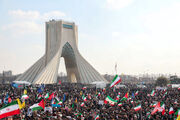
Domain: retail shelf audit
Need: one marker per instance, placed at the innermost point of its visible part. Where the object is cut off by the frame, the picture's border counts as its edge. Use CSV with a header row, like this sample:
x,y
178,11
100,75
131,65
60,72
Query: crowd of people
x,y
87,103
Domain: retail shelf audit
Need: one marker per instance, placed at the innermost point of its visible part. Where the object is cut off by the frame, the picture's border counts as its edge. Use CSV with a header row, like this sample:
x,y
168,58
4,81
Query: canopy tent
x,y
22,82
99,84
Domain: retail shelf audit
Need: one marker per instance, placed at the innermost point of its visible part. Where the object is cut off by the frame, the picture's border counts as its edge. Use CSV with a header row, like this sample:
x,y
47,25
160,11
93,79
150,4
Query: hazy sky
x,y
140,35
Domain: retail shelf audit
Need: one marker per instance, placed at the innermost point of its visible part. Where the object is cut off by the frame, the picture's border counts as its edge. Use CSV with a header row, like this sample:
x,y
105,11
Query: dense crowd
x,y
72,95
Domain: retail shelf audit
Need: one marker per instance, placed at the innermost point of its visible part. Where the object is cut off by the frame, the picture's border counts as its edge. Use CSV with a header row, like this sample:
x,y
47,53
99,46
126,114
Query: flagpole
x,y
115,68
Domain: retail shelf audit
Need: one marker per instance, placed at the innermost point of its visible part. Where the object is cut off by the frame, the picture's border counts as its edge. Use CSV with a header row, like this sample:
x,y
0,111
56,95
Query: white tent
x,y
22,82
99,84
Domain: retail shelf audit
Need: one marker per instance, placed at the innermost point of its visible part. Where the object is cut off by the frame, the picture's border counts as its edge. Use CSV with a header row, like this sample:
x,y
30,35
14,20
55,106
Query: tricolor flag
x,y
46,96
89,96
152,93
137,108
99,94
171,111
157,108
82,104
120,104
38,106
97,117
9,109
178,88
119,93
153,105
162,108
136,93
84,88
24,97
110,100
51,96
84,98
125,97
115,81
117,98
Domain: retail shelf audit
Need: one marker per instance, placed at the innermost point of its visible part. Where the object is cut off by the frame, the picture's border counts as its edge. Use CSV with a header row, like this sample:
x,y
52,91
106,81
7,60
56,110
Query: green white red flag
x,y
171,111
153,93
115,81
137,108
24,97
97,117
157,108
46,96
84,98
120,104
9,109
110,100
82,104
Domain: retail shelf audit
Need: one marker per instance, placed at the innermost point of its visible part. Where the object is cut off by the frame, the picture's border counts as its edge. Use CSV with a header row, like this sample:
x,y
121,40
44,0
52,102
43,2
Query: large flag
x,y
9,109
110,100
38,106
157,108
125,97
137,108
51,96
115,81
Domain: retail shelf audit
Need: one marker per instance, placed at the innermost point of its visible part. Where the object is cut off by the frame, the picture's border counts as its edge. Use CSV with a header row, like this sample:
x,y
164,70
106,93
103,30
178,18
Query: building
x,y
61,41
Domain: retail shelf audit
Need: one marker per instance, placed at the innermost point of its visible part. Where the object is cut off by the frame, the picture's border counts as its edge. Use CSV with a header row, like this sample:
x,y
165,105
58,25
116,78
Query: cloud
x,y
117,4
23,28
24,15
53,15
29,22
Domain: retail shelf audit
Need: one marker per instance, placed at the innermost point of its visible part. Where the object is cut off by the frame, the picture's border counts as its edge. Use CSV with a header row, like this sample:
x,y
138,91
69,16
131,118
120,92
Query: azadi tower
x,y
61,41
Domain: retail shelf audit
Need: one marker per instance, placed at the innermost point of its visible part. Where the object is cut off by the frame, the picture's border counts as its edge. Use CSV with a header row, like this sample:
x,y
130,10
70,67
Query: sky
x,y
141,36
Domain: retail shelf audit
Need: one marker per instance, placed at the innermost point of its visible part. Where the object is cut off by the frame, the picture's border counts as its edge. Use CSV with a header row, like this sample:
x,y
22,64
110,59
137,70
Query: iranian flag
x,y
179,88
125,97
153,105
171,111
24,97
162,108
152,93
117,98
97,117
84,88
115,81
46,96
157,108
38,106
120,104
9,109
137,108
136,93
110,100
82,104
84,98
